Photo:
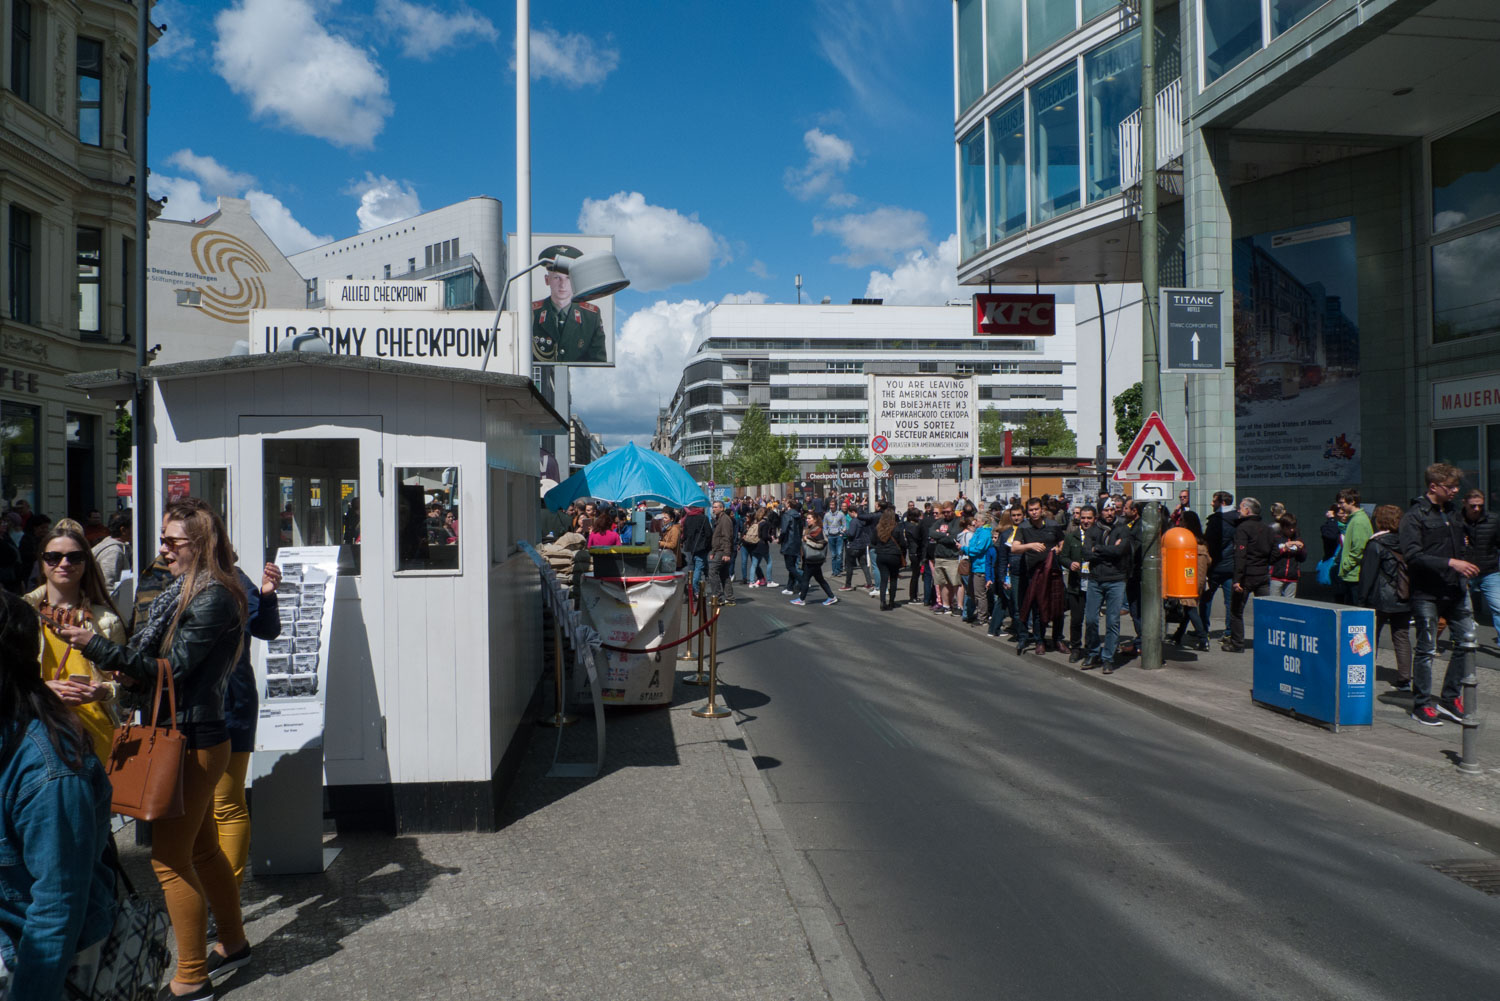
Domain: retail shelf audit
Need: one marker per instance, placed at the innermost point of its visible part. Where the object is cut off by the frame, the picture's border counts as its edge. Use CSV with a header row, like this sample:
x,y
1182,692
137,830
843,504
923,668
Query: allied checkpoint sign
x,y
1315,659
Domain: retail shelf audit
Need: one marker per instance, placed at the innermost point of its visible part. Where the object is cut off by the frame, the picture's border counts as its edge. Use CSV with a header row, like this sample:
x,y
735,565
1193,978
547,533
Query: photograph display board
x,y
1296,354
291,671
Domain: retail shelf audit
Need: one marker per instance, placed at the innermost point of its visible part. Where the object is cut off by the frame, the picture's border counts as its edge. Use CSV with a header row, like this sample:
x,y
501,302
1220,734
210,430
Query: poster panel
x,y
291,671
1296,347
565,332
635,612
999,488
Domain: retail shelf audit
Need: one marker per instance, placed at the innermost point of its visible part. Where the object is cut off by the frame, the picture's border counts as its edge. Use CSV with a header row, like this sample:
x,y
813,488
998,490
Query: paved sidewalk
x,y
667,877
1397,762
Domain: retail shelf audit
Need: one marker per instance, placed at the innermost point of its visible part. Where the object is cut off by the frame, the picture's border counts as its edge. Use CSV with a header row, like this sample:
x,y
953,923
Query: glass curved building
x,y
1332,166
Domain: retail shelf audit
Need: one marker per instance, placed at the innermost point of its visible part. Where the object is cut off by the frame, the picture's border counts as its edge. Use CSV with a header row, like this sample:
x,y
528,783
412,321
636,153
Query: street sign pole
x,y
1153,624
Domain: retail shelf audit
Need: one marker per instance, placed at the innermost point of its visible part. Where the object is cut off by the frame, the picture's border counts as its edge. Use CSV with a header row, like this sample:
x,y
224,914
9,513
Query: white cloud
x,y
649,353
178,36
745,298
185,199
879,235
277,55
426,31
922,279
657,246
289,235
862,45
758,269
215,178
383,201
573,60
828,156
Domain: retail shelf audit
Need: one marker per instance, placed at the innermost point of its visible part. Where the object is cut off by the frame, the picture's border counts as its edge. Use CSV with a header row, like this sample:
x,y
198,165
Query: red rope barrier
x,y
664,646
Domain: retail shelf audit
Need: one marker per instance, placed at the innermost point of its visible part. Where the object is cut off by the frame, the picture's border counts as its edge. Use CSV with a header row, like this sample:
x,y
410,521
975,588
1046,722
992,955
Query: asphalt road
x,y
984,831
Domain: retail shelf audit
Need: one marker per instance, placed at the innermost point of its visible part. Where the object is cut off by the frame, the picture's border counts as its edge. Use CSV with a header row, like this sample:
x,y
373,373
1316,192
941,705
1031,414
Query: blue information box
x,y
1316,660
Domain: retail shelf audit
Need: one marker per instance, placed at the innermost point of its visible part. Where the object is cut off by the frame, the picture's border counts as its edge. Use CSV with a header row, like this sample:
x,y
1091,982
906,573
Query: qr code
x,y
1357,675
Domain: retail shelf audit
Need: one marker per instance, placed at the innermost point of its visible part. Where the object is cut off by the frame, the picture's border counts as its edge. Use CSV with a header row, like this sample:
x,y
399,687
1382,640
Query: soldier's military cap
x,y
557,250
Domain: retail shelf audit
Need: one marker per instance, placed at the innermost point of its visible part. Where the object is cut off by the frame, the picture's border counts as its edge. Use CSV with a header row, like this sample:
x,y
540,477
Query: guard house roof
x,y
532,411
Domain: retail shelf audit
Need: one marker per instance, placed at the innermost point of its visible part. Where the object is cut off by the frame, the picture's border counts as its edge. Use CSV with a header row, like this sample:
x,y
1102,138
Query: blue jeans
x,y
1425,613
1110,594
1216,584
760,566
1489,586
700,567
836,553
747,564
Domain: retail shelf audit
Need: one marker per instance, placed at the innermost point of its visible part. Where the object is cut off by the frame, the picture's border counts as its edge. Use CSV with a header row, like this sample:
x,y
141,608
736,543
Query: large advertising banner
x,y
1296,348
292,670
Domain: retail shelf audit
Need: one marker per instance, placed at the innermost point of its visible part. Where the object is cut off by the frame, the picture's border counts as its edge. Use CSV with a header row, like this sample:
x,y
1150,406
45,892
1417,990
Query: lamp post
x,y
1153,625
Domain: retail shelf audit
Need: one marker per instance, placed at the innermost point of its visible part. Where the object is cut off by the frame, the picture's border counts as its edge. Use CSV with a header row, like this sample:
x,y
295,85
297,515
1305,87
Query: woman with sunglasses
x,y
73,591
196,624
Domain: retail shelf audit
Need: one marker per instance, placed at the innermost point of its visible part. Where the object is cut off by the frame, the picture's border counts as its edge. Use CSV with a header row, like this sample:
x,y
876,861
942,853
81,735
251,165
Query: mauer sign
x,y
1008,314
455,339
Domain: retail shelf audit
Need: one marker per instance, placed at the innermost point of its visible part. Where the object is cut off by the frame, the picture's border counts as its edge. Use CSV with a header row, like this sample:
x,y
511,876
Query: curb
x,y
828,949
1409,801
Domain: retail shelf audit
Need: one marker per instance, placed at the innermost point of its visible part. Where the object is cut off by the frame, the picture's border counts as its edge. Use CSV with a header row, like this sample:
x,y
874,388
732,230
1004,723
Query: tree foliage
x,y
1048,424
1129,416
851,455
757,455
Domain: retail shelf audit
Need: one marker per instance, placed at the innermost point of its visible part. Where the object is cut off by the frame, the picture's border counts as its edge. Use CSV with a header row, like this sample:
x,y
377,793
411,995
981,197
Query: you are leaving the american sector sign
x,y
929,415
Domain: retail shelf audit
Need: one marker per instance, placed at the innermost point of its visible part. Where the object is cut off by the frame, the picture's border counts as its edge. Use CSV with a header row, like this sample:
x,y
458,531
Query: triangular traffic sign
x,y
1154,456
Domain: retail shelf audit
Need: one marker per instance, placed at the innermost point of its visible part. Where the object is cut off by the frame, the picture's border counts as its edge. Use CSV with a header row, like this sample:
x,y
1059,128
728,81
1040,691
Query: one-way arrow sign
x,y
1191,326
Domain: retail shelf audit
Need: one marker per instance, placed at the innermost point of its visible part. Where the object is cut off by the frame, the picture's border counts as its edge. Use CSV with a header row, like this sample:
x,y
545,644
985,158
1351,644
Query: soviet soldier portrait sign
x,y
565,331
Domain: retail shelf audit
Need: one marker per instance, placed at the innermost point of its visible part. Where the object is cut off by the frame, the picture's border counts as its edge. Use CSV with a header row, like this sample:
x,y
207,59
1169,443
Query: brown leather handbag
x,y
145,762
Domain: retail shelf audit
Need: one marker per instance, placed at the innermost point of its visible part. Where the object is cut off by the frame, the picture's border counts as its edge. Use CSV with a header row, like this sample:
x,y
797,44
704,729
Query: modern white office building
x,y
1330,165
806,366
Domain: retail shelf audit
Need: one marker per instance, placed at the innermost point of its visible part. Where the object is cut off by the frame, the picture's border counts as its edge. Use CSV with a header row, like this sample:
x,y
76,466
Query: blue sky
x,y
727,146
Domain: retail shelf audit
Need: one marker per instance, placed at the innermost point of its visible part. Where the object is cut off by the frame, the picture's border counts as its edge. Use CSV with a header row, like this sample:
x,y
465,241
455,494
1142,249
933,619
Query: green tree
x,y
823,466
1128,416
851,455
1048,424
758,456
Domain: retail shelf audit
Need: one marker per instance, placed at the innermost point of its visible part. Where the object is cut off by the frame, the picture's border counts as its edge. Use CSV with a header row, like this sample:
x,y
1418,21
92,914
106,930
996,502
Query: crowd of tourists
x,y
73,666
1053,577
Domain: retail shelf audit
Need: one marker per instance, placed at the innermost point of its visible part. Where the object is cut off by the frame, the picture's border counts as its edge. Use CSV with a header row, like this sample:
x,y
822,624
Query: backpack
x,y
1328,568
752,534
1397,575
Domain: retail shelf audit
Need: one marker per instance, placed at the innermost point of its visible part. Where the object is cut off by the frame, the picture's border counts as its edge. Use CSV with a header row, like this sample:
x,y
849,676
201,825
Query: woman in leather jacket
x,y
197,625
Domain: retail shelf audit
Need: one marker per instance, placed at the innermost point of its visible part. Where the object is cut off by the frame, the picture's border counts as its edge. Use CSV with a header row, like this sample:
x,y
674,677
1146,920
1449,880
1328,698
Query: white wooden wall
x,y
448,661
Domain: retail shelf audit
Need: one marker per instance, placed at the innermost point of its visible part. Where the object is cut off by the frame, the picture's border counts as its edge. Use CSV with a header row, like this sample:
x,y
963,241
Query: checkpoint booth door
x,y
316,482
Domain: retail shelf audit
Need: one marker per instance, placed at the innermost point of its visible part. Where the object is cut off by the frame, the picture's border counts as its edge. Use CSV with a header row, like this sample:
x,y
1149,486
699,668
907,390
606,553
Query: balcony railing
x,y
1168,142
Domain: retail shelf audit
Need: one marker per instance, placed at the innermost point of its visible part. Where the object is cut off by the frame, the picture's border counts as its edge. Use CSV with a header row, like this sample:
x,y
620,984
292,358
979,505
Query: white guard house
x,y
433,655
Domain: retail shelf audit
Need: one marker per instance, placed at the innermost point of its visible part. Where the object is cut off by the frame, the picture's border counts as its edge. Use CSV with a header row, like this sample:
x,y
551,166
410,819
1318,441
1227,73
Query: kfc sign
x,y
1006,314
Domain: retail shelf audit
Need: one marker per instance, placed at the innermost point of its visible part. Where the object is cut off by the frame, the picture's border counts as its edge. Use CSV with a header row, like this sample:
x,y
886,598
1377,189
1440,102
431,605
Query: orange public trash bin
x,y
1179,564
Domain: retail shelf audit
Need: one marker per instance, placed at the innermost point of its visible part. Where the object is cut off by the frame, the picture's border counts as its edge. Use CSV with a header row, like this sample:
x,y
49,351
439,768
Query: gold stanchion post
x,y
711,710
698,677
558,718
685,651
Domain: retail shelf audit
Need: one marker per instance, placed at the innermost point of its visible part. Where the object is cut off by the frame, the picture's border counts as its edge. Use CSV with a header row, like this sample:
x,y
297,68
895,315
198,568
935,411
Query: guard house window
x,y
210,485
427,518
90,251
19,270
19,452
90,90
1466,231
20,49
312,497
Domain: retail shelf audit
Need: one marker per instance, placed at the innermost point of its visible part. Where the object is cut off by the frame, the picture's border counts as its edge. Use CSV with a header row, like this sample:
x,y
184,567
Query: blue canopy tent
x,y
627,476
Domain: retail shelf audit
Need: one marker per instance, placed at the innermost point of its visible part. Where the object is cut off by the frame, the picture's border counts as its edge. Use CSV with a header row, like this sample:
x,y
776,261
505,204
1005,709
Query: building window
x,y
20,452
427,519
1002,31
20,49
970,51
455,246
427,250
1113,75
1231,33
1285,13
127,262
1047,21
90,255
1055,185
1093,8
90,74
1007,170
458,291
927,367
19,270
411,264
127,111
971,192
1466,228
387,271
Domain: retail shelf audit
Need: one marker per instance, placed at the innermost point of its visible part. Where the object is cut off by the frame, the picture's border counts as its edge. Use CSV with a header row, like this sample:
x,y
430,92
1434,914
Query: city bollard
x,y
1468,763
558,718
698,677
711,710
686,649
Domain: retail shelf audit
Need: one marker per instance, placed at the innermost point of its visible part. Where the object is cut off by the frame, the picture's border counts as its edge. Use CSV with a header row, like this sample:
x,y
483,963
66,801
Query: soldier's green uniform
x,y
577,335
